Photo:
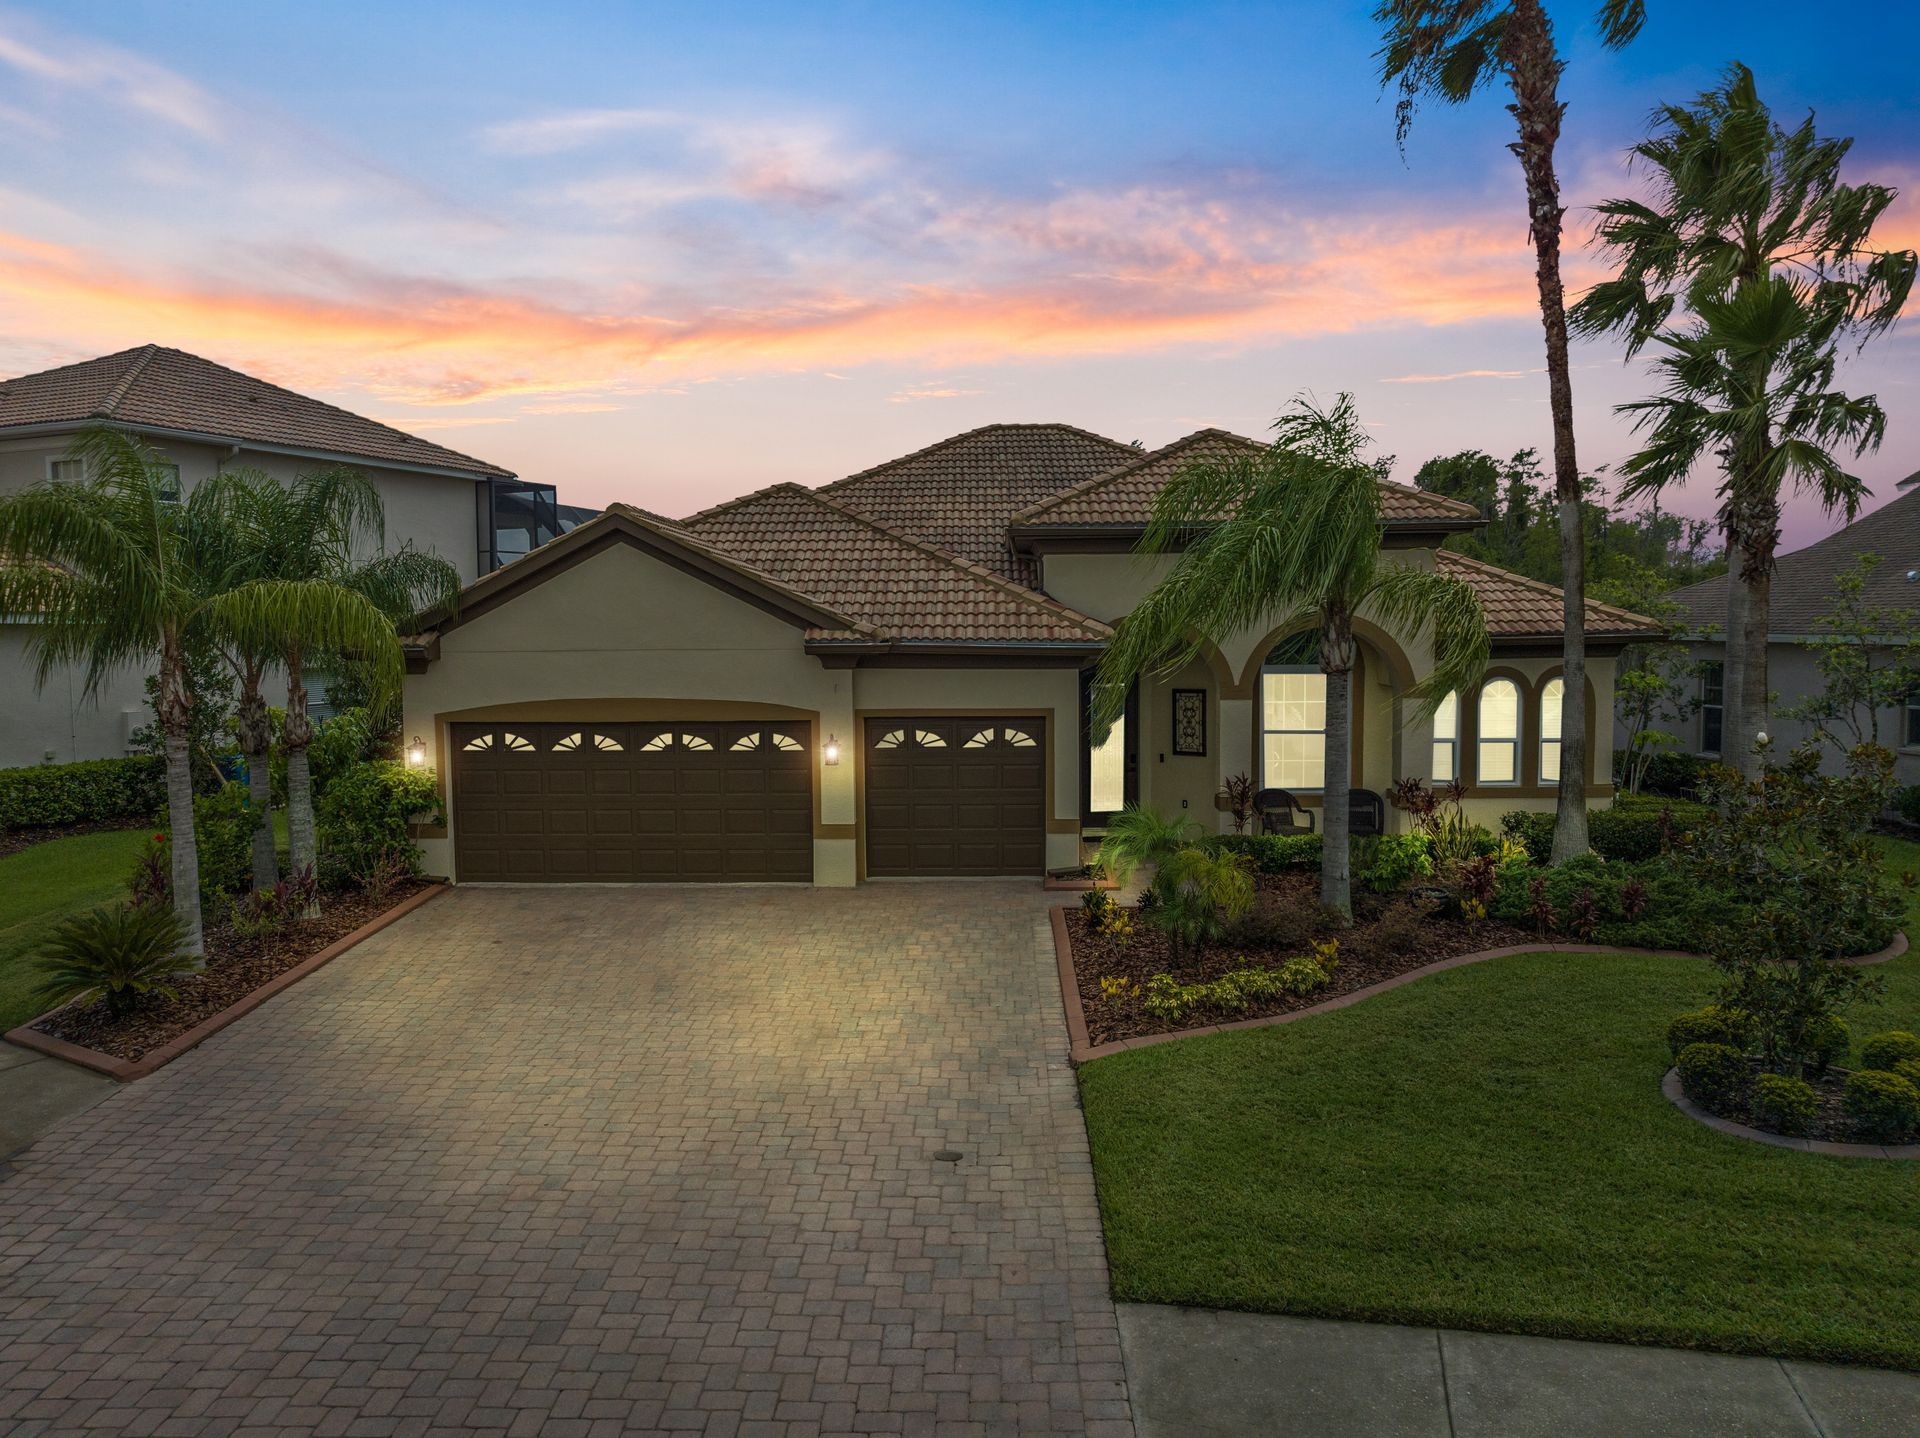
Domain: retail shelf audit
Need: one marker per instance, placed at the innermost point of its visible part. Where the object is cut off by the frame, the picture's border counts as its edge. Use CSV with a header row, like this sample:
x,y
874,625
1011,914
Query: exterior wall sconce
x,y
417,753
830,752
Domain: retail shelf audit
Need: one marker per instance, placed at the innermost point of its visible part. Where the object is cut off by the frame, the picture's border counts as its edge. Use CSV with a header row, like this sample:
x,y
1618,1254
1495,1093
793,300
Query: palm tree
x,y
313,602
1749,237
1292,530
1449,50
118,570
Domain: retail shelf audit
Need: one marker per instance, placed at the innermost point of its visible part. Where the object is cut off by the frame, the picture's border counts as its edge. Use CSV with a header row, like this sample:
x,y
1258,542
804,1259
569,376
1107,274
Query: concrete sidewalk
x,y
1207,1374
37,1093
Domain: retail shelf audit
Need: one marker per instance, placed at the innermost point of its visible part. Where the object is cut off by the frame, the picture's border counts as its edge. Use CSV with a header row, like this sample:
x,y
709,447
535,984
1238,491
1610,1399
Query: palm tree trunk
x,y
1534,69
1760,536
175,716
256,744
301,855
1734,656
1336,787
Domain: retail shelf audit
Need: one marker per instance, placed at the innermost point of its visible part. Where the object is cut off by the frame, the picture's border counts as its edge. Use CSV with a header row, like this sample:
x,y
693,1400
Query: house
x,y
886,677
1803,592
204,418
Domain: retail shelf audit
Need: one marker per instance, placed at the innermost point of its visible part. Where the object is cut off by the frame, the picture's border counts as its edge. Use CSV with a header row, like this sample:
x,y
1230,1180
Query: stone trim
x,y
1085,1051
126,1070
1670,1086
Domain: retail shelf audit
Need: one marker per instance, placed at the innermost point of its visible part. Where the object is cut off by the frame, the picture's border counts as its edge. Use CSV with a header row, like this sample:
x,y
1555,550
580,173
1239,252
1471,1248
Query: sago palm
x,y
1749,267
1292,531
1450,50
118,571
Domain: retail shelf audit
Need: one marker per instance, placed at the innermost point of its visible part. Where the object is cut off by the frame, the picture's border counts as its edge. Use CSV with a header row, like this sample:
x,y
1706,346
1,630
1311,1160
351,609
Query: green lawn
x,y
42,885
1489,1148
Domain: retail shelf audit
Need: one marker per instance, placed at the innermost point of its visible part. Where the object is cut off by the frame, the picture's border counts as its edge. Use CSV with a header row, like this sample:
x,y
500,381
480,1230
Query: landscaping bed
x,y
1391,934
237,966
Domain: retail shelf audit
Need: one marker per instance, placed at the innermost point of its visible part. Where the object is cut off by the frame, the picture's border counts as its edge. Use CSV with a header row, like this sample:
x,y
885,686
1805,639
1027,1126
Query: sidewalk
x,y
37,1092
1211,1375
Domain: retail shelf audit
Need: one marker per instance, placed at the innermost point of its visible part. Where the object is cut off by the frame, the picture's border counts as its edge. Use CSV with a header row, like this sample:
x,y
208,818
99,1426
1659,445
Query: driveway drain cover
x,y
948,1155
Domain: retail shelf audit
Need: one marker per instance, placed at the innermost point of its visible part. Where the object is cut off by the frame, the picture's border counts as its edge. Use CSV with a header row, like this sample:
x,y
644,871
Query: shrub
x,y
91,792
1883,1051
362,821
266,911
1783,1104
1400,930
1138,836
1908,1069
1906,803
1117,990
1094,903
120,955
1168,999
1272,853
1712,1074
1391,861
1824,1042
1117,927
1201,891
1669,773
223,823
1273,924
1301,976
1883,1107
1634,828
1710,1025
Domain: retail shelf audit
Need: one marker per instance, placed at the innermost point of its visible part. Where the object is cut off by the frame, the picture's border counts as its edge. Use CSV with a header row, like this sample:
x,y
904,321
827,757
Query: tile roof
x,y
1803,579
1124,497
958,494
1522,608
907,589
161,388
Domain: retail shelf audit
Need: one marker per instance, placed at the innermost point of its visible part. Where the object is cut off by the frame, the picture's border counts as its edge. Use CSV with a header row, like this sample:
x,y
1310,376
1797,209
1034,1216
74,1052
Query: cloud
x,y
914,392
105,73
1460,374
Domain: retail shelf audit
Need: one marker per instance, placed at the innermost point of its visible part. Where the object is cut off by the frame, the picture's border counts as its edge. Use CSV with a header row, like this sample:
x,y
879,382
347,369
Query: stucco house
x,y
204,418
885,677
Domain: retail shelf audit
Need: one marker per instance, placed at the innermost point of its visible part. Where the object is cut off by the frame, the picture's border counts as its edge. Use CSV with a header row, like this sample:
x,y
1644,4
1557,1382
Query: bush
x,y
1634,828
1391,861
1668,774
1824,1042
1201,891
1713,1074
223,823
1908,1069
1710,1025
1272,853
362,821
1906,803
1883,1051
1094,903
1782,1104
120,955
94,791
1647,905
1273,924
1883,1107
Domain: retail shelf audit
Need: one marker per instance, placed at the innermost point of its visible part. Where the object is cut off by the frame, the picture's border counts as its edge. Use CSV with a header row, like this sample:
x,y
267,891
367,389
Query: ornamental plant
x,y
1883,1107
1200,892
117,955
1885,1051
1784,1105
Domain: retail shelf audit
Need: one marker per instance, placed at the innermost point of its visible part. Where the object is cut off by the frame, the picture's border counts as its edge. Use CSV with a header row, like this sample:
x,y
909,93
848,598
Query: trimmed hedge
x,y
91,792
1669,773
362,820
1273,853
1645,905
1630,829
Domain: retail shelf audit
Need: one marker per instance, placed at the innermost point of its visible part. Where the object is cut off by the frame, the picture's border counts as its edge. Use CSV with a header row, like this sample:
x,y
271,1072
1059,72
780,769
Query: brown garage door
x,y
956,796
633,803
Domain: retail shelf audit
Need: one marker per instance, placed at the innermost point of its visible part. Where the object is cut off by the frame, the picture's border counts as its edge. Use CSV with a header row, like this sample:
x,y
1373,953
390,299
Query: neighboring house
x,y
1803,592
886,677
204,418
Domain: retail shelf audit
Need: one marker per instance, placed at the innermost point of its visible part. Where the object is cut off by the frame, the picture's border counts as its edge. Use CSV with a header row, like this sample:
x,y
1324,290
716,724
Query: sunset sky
x,y
667,254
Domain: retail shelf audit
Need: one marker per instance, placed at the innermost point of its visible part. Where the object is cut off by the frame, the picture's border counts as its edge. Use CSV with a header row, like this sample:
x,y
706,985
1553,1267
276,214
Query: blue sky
x,y
669,253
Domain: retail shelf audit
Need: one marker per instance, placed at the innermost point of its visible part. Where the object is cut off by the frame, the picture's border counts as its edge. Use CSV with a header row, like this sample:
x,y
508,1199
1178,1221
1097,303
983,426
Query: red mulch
x,y
1390,935
236,966
12,841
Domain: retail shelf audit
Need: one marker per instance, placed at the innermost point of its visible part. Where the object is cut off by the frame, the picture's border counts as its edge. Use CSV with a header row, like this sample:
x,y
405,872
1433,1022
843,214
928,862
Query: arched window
x,y
1446,740
1550,705
1498,749
1293,716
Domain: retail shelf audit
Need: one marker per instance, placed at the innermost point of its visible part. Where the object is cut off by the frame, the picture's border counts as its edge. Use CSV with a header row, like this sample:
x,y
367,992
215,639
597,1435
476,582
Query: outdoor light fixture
x,y
417,753
830,754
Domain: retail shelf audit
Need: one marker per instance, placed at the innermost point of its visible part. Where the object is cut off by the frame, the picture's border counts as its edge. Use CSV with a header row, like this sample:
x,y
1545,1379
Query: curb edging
x,y
126,1070
1670,1086
1083,1051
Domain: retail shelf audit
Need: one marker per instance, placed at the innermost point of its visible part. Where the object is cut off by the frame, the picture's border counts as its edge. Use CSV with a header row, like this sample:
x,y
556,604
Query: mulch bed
x,y
1390,935
236,966
12,841
1830,1122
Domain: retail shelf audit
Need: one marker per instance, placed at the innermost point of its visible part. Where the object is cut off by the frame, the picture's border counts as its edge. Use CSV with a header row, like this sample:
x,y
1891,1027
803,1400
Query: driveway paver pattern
x,y
589,1162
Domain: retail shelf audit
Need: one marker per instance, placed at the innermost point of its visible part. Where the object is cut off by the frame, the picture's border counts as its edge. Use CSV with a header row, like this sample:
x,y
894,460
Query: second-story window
x,y
67,470
1712,706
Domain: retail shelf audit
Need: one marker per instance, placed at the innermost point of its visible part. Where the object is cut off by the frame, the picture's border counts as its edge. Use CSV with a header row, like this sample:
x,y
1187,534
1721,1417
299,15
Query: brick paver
x,y
591,1162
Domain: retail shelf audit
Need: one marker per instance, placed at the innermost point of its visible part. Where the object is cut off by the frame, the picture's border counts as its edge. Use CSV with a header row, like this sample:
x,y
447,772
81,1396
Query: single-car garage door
x,y
633,803
956,796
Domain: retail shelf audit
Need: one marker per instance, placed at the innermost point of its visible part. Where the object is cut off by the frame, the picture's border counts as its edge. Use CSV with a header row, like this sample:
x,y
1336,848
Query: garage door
x,y
956,796
633,803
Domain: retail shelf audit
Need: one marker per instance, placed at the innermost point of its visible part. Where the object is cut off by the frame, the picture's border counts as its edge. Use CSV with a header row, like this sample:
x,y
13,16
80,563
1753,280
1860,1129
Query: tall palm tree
x,y
1449,50
118,570
1293,530
315,600
1748,266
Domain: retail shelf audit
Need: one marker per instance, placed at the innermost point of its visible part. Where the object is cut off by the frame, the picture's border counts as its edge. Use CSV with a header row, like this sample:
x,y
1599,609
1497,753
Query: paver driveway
x,y
607,1160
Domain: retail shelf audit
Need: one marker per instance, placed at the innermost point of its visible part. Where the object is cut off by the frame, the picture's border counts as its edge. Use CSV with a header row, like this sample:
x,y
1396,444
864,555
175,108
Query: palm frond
x,y
1408,601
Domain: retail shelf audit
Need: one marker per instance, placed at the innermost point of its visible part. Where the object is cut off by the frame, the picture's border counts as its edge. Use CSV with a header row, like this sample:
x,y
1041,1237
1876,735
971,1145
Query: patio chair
x,y
1366,813
1278,812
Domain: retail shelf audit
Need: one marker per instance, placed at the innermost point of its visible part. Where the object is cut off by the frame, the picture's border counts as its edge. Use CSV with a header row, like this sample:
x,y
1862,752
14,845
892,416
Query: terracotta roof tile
x,y
1522,608
959,493
909,590
1124,496
170,389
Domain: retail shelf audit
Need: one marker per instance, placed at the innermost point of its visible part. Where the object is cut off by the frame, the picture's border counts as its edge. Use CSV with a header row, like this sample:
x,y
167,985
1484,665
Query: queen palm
x,y
1292,531
117,570
1748,266
1449,50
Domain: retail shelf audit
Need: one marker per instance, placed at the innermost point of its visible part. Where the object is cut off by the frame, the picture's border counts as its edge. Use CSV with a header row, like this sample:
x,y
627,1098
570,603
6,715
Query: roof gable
x,y
1521,608
156,388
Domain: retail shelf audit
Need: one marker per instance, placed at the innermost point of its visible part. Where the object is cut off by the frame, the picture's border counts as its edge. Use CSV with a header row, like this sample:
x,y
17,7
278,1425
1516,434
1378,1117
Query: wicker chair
x,y
1366,813
1278,812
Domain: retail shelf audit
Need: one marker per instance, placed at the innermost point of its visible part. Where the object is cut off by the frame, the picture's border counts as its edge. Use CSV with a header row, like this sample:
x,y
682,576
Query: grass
x,y
1489,1148
42,885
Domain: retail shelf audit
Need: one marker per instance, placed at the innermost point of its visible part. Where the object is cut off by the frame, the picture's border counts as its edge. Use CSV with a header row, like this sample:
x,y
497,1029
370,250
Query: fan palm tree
x,y
1293,530
117,570
312,602
1450,50
1748,266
